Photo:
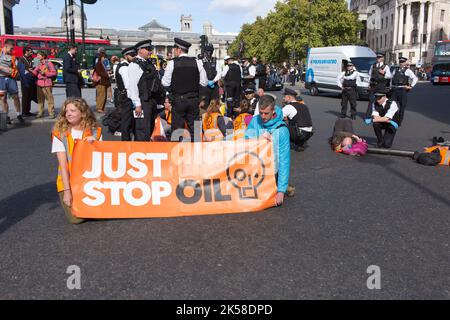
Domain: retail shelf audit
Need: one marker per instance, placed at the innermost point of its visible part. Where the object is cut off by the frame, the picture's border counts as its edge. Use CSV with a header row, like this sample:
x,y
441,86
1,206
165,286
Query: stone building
x,y
6,16
404,28
161,35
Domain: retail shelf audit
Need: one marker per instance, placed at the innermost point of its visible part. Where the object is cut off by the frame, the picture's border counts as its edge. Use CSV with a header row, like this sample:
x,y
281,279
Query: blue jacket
x,y
281,144
27,79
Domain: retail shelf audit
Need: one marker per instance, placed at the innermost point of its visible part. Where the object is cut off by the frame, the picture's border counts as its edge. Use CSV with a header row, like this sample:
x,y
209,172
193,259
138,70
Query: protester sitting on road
x,y
270,125
163,121
244,116
75,122
214,125
45,72
345,141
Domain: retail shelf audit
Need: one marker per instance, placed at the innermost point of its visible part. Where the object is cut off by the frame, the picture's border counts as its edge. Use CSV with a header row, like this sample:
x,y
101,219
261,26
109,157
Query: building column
x,y
421,21
408,24
2,18
429,24
401,26
396,28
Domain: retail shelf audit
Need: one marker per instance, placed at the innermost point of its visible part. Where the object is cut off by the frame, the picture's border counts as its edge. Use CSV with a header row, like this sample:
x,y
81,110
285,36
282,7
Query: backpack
x,y
48,67
428,158
112,120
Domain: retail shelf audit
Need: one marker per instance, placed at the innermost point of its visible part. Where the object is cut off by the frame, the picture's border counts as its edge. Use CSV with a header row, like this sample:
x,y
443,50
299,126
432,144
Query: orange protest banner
x,y
156,180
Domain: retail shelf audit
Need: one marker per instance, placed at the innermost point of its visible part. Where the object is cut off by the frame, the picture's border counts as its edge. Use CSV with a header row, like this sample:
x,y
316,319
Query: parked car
x,y
58,63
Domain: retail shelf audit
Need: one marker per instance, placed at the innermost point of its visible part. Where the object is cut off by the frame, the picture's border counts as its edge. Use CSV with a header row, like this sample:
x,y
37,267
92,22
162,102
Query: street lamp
x,y
294,53
83,33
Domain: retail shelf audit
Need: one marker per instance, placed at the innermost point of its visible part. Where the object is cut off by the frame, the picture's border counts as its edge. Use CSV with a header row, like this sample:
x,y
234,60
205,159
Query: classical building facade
x,y
161,35
404,28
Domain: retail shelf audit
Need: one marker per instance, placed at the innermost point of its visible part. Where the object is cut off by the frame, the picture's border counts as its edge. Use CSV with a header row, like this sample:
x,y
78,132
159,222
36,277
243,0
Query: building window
x,y
392,19
414,36
442,15
385,40
424,38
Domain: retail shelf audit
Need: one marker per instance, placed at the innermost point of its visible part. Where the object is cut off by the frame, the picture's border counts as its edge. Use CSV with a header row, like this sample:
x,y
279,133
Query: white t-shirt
x,y
289,112
58,146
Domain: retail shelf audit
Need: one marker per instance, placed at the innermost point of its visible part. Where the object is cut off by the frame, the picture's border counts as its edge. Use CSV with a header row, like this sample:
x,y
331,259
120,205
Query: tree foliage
x,y
287,29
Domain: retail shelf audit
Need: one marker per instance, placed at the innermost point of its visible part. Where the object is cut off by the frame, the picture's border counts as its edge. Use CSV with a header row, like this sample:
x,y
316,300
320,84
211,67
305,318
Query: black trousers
x,y
207,94
185,111
127,121
28,93
385,133
73,90
300,139
372,100
348,95
233,92
144,127
400,95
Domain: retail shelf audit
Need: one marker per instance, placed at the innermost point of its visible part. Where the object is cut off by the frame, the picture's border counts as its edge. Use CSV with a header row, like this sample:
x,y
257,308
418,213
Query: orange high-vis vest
x,y
445,154
240,126
14,69
168,116
69,144
159,129
211,129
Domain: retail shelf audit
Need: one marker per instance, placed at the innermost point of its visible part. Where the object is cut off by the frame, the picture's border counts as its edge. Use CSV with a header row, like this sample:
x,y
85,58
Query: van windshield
x,y
363,64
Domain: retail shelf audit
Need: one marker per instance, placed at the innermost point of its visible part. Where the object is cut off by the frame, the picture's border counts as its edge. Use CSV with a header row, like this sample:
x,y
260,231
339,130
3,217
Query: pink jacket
x,y
357,149
44,80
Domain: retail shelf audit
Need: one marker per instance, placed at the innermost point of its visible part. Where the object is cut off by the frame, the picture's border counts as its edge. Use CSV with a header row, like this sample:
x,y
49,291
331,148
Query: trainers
x,y
39,116
52,116
290,192
8,120
28,114
20,119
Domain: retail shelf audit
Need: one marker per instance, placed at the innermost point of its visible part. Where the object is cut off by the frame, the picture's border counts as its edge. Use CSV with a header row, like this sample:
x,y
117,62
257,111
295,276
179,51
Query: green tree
x,y
286,29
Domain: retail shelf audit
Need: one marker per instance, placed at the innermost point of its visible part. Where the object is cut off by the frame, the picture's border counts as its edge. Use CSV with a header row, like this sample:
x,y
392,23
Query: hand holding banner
x,y
155,180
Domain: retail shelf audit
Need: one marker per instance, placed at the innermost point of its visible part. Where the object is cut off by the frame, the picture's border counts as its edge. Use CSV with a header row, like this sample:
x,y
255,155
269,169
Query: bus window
x,y
21,43
37,44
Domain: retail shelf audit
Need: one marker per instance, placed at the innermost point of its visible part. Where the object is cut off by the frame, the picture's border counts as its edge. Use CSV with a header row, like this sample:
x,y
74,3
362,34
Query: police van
x,y
325,64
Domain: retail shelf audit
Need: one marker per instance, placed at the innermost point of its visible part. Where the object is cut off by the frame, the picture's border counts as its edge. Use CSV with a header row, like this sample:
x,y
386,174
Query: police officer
x,y
248,74
253,99
232,75
145,90
211,91
183,77
379,74
385,118
124,103
261,74
298,118
347,82
403,80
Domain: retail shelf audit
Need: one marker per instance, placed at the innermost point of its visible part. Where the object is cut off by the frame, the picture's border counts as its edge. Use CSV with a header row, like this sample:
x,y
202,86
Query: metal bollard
x,y
3,121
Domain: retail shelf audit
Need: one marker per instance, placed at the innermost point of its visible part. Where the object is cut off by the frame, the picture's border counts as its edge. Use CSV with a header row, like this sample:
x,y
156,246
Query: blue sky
x,y
225,15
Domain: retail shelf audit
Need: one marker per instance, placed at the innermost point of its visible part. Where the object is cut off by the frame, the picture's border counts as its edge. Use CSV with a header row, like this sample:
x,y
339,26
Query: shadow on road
x,y
386,162
17,207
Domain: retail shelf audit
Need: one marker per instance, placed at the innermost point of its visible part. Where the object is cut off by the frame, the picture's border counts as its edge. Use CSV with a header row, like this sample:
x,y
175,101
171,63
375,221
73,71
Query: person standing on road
x,y
379,74
124,103
212,68
270,125
261,74
75,122
403,80
27,81
248,74
71,73
183,76
232,75
347,82
9,72
45,72
103,85
144,90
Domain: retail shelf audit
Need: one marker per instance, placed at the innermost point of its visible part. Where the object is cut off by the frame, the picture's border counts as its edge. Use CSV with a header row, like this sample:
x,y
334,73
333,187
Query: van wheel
x,y
313,90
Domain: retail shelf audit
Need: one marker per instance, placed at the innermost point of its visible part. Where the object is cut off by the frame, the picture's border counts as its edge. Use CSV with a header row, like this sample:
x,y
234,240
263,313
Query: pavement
x,y
348,214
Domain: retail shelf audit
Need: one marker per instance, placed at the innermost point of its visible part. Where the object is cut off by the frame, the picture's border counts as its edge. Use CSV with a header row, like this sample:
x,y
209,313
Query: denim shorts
x,y
8,85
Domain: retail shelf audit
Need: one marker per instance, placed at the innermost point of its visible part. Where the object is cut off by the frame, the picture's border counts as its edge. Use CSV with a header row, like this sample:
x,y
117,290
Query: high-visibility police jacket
x,y
445,154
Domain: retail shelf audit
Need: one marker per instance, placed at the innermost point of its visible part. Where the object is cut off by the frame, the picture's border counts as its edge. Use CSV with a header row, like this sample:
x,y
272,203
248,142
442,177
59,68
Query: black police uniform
x,y
385,139
184,89
301,120
349,94
206,93
378,83
247,83
233,88
399,92
261,75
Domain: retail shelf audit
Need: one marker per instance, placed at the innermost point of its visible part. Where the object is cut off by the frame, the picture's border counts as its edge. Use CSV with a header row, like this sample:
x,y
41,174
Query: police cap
x,y
249,91
145,44
290,92
380,93
403,60
129,51
180,43
380,55
350,64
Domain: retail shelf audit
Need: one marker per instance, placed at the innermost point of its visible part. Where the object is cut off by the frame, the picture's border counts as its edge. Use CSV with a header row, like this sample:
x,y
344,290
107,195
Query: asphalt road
x,y
348,214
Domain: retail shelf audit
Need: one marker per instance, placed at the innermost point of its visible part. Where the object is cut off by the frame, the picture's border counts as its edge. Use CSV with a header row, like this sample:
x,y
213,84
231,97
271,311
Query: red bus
x,y
50,45
440,73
